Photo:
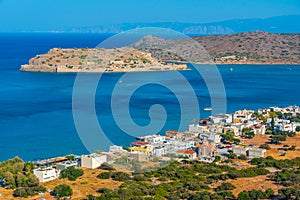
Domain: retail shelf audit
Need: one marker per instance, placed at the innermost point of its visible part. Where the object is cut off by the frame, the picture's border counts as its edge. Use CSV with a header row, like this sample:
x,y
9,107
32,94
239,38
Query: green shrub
x,y
106,166
120,176
225,186
243,196
265,146
103,175
28,191
62,190
71,173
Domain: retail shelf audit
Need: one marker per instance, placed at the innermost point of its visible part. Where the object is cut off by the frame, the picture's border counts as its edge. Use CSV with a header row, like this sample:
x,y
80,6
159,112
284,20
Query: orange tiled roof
x,y
140,143
186,152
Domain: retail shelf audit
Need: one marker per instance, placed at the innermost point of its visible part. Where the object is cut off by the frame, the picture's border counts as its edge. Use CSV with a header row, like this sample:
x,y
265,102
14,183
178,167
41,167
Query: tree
x,y
70,157
265,146
32,180
21,180
232,155
225,186
256,194
243,196
62,190
106,166
9,180
71,173
268,193
120,176
28,167
217,159
298,128
276,139
243,157
289,193
104,175
98,151
28,191
250,134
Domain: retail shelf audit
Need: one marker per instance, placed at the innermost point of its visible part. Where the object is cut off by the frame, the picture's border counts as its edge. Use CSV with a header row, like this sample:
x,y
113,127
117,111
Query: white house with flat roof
x,y
93,161
256,152
154,139
66,164
115,148
196,128
47,174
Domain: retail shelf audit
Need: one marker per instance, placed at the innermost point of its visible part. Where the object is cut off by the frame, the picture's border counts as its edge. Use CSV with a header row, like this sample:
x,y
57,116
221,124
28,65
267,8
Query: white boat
x,y
207,109
231,69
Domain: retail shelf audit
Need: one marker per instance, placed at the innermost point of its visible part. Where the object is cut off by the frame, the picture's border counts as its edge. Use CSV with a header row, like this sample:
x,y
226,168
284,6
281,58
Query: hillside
x,y
242,48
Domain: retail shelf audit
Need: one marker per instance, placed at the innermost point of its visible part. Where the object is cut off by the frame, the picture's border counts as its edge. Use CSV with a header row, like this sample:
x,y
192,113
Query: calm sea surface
x,y
36,118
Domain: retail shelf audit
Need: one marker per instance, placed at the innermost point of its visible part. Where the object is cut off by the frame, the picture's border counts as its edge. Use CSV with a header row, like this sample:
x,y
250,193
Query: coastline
x,y
41,70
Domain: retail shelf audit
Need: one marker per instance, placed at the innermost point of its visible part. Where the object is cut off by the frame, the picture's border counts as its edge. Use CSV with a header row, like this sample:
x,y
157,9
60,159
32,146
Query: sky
x,y
39,15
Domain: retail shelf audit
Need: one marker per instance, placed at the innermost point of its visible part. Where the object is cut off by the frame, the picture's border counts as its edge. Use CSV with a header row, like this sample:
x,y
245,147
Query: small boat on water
x,y
207,109
231,69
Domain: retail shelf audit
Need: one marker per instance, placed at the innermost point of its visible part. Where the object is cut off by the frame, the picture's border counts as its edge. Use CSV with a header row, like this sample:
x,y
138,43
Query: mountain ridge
x,y
276,24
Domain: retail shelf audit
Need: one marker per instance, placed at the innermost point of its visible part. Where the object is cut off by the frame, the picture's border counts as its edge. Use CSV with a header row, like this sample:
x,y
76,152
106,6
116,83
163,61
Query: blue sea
x,y
36,119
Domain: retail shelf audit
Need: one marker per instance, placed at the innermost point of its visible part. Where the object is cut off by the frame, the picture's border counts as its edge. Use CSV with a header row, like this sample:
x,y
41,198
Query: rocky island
x,y
97,60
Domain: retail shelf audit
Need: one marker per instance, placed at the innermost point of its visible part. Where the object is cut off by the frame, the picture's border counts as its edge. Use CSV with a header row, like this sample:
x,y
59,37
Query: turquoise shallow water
x,y
36,108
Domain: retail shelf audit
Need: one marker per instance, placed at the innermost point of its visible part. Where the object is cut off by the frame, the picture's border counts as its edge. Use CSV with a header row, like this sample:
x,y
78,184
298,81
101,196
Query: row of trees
x,y
255,194
117,176
278,164
18,175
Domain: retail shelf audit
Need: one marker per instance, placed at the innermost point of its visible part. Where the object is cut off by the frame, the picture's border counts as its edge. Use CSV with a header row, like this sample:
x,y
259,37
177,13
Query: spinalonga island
x,y
123,59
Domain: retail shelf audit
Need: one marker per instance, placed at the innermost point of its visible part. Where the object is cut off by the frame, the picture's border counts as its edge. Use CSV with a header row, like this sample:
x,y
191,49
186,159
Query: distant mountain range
x,y
278,24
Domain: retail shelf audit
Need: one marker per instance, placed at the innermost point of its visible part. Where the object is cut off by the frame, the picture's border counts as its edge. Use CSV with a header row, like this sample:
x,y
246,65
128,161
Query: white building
x,y
240,150
47,174
93,161
154,139
159,151
213,137
139,156
196,128
115,148
259,129
66,164
187,153
255,152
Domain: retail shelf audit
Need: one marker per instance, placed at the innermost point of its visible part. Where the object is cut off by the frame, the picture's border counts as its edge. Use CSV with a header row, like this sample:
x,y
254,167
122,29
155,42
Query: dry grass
x,y
257,140
274,152
87,184
257,183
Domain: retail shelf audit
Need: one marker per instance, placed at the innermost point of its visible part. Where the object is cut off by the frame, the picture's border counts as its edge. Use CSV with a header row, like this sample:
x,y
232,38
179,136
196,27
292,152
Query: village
x,y
235,140
213,139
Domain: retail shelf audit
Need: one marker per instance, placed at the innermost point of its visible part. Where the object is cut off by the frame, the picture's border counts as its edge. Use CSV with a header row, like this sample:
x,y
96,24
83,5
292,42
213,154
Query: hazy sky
x,y
18,15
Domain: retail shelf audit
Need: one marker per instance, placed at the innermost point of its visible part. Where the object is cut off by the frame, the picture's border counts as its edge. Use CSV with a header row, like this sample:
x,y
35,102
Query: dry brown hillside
x,y
250,47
